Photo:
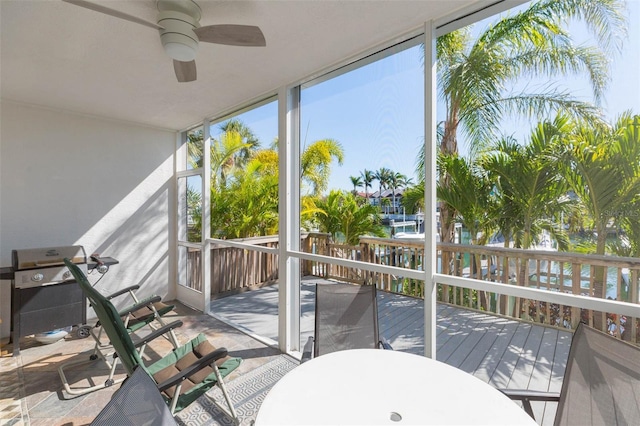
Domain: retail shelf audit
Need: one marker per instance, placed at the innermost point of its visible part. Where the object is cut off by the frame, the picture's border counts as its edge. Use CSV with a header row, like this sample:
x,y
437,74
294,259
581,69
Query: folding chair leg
x,y
82,391
174,401
232,411
174,339
98,354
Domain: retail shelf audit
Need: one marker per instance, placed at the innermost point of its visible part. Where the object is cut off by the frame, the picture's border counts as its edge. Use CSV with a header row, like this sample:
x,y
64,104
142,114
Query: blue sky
x,y
376,112
624,88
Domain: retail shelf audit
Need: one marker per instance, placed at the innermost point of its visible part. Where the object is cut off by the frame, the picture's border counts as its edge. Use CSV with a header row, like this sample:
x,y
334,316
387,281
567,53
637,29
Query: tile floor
x,y
32,393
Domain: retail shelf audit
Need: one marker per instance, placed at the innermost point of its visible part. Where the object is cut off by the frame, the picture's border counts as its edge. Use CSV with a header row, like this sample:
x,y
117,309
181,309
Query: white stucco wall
x,y
68,179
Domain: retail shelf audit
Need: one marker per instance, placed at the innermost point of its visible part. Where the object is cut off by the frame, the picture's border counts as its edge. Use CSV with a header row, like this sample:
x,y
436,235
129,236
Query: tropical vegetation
x,y
244,181
340,215
522,190
477,75
574,168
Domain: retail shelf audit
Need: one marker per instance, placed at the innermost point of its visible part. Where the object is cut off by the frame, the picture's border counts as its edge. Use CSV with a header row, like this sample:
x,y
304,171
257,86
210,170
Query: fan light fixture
x,y
177,36
181,33
179,47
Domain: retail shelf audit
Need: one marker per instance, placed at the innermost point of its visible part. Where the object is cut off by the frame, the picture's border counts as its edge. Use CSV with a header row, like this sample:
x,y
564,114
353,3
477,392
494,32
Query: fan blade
x,y
185,71
113,12
232,35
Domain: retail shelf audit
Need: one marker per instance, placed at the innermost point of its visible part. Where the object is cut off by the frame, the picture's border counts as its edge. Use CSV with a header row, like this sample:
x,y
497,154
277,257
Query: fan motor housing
x,y
177,36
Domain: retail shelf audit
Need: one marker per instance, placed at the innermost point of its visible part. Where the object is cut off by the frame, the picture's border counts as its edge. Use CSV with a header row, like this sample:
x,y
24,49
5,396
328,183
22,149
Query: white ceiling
x,y
62,56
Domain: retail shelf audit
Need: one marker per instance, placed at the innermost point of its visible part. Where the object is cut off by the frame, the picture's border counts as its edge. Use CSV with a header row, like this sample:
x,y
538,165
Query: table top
x,y
375,387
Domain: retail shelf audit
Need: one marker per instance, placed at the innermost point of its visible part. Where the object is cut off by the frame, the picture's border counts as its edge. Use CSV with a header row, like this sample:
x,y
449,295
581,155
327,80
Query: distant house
x,y
387,194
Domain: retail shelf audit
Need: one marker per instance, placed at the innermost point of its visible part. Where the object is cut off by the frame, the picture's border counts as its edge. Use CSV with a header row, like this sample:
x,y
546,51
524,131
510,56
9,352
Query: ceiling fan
x,y
180,32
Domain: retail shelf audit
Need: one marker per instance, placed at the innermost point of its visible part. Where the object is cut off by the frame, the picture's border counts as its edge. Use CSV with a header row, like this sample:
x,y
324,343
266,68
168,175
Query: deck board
x,y
504,352
481,349
468,345
507,363
493,356
563,343
457,334
541,376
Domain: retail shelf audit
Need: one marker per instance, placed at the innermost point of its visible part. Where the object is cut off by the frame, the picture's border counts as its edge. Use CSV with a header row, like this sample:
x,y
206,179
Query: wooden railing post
x,y
632,321
307,245
576,275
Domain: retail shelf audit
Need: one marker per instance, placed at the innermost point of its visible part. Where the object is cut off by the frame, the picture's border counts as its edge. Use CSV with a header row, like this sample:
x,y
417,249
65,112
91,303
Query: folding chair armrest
x,y
123,291
532,395
384,344
526,396
193,368
146,302
307,350
157,333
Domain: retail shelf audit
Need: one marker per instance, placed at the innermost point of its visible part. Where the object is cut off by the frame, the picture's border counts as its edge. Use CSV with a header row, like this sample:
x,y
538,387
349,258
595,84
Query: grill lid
x,y
46,257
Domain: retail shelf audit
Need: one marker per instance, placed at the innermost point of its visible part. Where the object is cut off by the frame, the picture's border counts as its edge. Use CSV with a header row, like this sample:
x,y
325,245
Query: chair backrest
x,y
346,318
110,320
136,403
601,382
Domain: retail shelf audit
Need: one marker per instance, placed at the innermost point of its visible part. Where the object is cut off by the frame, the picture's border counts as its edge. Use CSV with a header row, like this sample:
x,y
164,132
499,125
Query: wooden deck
x,y
503,352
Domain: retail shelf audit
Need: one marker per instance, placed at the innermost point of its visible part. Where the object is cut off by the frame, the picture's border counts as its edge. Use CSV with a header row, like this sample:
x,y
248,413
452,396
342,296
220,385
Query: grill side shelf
x,y
8,273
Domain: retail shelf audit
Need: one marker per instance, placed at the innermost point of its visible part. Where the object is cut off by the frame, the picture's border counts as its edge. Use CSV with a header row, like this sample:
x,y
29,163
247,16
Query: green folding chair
x,y
142,313
183,375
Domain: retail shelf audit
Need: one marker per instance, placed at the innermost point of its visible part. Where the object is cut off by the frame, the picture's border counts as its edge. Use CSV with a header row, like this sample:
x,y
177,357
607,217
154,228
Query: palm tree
x,y
248,205
629,222
413,198
244,190
247,136
473,75
469,194
530,188
386,203
396,180
234,132
367,179
340,215
602,166
356,181
194,213
195,148
315,163
225,152
382,176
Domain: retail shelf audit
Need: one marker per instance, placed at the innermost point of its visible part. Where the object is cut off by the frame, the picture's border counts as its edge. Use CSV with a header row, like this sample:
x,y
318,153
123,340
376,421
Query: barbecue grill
x,y
44,294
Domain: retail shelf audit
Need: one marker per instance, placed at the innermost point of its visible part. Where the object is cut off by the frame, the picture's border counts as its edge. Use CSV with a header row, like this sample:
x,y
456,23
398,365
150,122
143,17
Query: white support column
x,y
206,216
430,229
178,160
289,216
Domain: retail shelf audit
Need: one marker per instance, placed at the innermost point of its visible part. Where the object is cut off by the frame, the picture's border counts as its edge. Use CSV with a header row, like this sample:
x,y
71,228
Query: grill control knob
x,y
37,277
66,275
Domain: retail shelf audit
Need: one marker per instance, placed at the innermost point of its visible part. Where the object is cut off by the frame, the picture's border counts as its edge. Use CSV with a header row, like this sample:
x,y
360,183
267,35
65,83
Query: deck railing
x,y
234,269
605,277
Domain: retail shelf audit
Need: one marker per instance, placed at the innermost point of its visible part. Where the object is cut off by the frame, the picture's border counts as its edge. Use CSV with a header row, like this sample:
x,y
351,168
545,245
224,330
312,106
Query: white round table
x,y
383,387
